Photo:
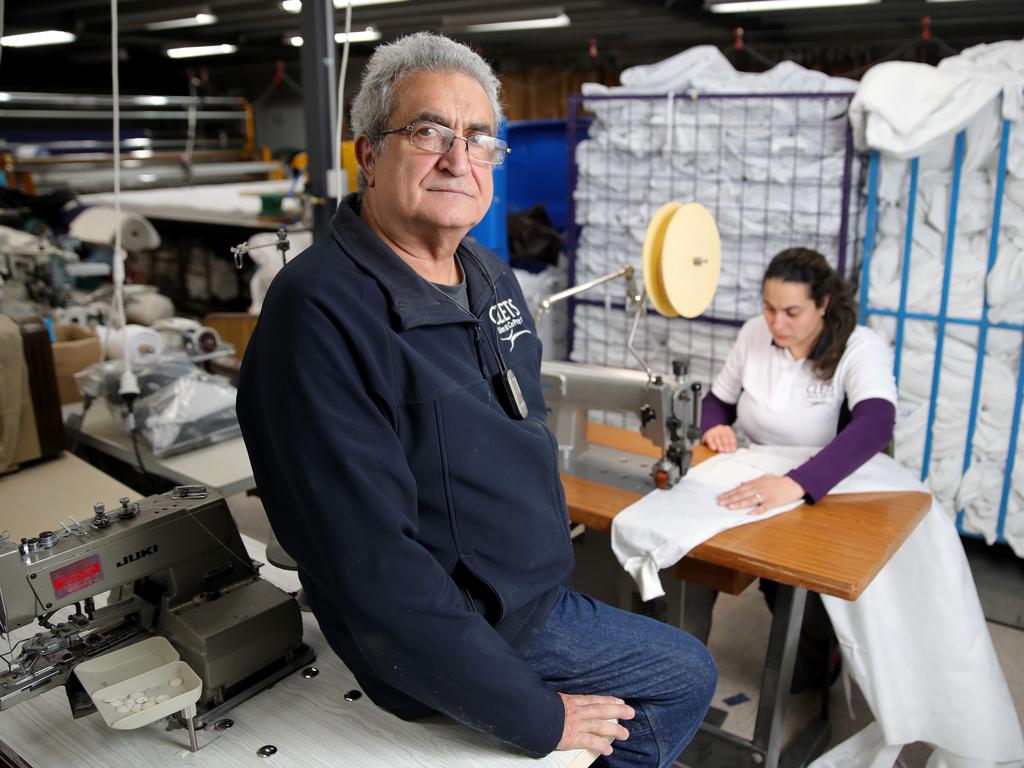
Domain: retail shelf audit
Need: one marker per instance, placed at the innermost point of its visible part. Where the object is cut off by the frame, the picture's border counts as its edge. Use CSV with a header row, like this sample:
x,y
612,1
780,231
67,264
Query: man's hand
x,y
587,723
762,493
721,438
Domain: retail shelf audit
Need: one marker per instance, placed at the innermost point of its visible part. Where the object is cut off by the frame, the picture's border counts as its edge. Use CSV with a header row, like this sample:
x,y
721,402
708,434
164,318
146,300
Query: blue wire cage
x,y
948,323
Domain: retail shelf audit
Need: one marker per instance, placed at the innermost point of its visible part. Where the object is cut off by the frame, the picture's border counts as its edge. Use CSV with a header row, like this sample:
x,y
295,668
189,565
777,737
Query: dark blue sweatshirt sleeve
x,y
714,412
316,404
869,431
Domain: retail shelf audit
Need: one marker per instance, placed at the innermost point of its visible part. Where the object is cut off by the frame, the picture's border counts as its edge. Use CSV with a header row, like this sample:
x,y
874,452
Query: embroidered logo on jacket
x,y
509,321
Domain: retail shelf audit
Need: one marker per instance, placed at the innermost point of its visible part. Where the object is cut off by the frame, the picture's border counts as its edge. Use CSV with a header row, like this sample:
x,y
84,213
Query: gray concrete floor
x,y
739,635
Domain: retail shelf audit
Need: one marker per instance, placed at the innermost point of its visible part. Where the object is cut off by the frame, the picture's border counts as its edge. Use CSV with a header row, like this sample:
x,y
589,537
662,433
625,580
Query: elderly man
x,y
391,405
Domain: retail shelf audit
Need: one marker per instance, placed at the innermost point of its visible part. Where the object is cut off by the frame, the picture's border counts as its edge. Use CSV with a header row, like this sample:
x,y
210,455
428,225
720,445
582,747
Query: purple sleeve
x,y
869,431
714,411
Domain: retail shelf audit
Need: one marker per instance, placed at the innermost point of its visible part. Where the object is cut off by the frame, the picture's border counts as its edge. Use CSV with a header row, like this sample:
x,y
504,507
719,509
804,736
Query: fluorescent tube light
x,y
752,6
199,20
550,22
200,50
29,39
294,6
368,35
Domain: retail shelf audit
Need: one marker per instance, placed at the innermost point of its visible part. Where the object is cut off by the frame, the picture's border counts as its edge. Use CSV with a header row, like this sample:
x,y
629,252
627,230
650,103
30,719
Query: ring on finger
x,y
757,496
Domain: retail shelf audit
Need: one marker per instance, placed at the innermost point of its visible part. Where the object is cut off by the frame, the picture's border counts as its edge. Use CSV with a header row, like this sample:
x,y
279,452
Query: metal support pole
x,y
318,94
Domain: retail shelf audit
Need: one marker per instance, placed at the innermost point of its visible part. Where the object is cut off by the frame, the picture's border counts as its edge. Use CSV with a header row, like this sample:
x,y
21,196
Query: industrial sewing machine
x,y
173,565
668,410
681,265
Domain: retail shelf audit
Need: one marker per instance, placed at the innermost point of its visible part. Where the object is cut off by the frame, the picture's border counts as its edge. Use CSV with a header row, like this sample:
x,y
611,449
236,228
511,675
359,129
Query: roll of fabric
x,y
141,344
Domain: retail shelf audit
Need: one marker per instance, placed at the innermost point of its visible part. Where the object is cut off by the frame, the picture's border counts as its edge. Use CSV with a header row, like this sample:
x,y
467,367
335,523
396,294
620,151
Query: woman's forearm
x,y
869,431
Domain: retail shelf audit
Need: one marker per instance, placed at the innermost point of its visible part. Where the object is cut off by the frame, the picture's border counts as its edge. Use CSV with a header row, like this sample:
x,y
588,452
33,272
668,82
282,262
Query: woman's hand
x,y
763,493
721,438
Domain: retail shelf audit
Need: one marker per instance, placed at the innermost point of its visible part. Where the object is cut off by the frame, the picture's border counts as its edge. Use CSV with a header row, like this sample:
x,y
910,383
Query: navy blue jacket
x,y
430,527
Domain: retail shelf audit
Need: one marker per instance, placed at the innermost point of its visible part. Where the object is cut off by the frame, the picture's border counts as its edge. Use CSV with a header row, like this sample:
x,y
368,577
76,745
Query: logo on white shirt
x,y
509,321
820,392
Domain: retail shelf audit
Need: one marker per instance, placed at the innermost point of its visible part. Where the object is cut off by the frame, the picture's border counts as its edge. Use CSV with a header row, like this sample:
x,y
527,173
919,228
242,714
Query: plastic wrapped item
x,y
194,410
104,379
180,407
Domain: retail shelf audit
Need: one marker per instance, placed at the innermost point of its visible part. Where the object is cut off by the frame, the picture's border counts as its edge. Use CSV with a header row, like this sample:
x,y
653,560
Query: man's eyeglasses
x,y
437,138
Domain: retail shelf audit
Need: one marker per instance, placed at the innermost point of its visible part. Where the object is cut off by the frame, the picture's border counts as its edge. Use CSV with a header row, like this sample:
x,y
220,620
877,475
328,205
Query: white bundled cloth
x,y
915,641
913,110
770,169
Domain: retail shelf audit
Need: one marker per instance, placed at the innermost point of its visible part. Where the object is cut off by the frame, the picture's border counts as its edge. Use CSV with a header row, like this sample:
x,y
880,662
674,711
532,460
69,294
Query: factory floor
x,y
739,634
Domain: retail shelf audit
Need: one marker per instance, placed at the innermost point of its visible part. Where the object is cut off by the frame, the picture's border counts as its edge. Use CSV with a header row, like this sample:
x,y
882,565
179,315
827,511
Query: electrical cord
x,y
340,116
87,401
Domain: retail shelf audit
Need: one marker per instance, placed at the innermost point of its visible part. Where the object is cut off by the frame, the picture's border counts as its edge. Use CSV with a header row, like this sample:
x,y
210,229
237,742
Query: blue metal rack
x,y
943,318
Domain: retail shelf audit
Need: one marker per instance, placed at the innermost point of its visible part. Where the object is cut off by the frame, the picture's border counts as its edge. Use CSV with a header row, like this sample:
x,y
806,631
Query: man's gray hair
x,y
393,62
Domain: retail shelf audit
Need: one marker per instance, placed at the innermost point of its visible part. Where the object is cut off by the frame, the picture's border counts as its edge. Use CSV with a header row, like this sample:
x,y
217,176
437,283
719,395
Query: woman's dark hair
x,y
802,265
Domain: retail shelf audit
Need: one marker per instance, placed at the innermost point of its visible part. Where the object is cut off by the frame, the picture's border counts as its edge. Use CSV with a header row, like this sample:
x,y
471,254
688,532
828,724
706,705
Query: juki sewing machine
x,y
681,265
173,565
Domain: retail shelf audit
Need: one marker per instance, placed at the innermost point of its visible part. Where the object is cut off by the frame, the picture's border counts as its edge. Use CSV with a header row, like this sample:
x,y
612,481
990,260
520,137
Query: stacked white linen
x,y
770,168
913,110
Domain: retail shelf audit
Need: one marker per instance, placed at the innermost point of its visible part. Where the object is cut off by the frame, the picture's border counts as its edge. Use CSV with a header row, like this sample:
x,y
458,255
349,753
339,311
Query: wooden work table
x,y
835,547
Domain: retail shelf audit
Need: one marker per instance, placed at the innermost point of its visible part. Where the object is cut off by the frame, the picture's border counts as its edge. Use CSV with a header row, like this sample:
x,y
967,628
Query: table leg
x,y
778,672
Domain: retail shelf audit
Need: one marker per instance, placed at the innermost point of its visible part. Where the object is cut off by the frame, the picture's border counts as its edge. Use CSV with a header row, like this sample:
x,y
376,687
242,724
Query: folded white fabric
x,y
901,107
657,531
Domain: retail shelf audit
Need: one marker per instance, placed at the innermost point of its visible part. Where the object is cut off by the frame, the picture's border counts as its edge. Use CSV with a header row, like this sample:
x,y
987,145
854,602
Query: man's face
x,y
427,191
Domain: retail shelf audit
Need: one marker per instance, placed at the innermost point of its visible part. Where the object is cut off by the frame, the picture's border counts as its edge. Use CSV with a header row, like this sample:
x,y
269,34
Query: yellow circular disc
x,y
691,260
653,243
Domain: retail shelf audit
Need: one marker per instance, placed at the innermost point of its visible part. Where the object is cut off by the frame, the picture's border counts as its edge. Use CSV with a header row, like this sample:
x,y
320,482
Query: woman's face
x,y
795,320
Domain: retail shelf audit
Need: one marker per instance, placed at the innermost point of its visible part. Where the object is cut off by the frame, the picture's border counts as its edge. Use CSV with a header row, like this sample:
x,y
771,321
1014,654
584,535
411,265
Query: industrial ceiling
x,y
609,33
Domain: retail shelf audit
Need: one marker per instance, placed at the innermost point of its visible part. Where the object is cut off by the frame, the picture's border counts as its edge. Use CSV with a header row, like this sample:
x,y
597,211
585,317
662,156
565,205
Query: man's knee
x,y
697,673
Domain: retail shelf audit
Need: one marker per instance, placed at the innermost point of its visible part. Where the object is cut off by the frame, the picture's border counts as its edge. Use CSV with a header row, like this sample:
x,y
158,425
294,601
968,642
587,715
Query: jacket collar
x,y
412,298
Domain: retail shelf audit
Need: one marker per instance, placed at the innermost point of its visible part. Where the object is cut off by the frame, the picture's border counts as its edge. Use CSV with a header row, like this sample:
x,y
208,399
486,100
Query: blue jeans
x,y
668,677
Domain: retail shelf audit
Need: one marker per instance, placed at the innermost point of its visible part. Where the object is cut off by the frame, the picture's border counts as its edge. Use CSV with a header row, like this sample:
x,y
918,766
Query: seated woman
x,y
915,640
803,373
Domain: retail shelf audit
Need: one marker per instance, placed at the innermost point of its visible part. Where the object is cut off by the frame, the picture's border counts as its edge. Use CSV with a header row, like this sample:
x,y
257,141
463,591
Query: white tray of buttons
x,y
137,685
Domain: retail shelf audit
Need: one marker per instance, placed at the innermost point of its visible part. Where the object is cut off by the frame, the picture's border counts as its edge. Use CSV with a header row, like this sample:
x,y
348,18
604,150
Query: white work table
x,y
221,467
307,720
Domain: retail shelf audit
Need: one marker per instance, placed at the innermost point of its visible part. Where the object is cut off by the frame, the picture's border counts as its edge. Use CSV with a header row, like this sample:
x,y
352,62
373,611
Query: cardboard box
x,y
76,348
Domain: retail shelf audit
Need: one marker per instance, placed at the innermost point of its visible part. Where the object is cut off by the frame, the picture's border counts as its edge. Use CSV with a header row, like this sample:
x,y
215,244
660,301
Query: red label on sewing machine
x,y
79,575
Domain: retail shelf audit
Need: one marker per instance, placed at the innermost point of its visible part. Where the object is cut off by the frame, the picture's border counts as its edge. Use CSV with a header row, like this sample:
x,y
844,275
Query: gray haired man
x,y
391,405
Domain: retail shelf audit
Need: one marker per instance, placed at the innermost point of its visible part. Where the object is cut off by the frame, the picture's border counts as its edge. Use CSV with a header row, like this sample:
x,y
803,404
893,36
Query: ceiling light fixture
x,y
368,35
294,6
29,39
198,20
534,18
753,6
200,50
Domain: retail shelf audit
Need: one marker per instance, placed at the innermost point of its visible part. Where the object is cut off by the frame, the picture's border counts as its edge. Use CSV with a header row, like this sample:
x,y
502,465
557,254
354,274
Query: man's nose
x,y
456,159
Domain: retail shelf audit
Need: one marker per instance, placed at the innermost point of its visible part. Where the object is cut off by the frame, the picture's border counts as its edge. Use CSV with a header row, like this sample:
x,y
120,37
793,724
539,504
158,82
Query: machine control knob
x,y
47,539
100,518
127,510
30,545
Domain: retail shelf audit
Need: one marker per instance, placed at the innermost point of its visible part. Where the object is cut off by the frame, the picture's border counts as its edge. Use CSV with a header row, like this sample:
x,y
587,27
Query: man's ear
x,y
365,157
